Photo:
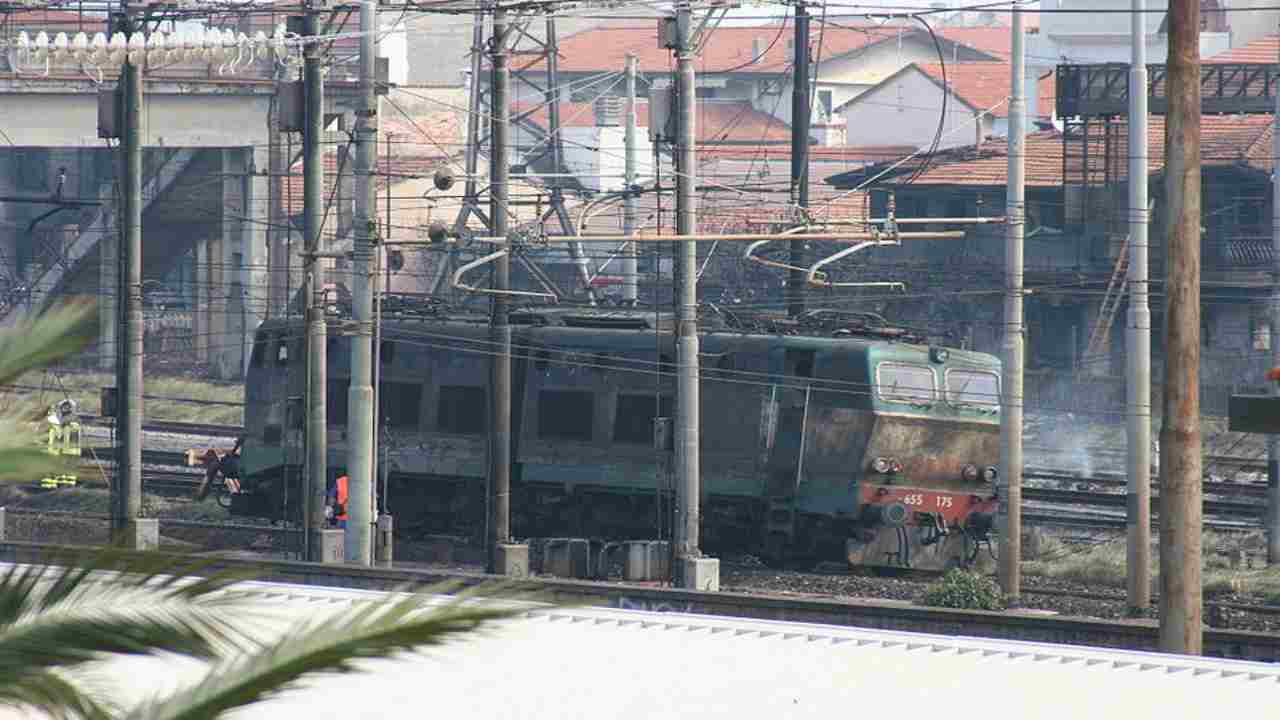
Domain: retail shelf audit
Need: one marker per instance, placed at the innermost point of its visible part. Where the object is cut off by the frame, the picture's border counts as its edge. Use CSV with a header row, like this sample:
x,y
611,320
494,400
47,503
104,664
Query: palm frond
x,y
330,645
37,341
116,602
53,695
30,344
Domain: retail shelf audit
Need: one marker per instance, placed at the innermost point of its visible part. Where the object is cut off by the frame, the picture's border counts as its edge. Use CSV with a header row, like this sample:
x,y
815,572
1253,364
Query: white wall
x,y
905,112
849,77
1083,37
593,152
394,45
71,119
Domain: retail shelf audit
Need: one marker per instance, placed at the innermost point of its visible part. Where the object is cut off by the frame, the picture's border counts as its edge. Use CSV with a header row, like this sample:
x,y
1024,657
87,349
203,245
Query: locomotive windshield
x,y
903,382
973,387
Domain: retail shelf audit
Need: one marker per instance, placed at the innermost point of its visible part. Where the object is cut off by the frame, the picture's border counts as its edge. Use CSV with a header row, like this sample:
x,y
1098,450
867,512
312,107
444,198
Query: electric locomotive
x,y
829,437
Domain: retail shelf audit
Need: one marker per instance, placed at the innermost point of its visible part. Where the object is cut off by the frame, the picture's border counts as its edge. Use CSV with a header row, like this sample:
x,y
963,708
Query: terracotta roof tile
x,y
1225,141
734,48
983,85
718,121
1263,50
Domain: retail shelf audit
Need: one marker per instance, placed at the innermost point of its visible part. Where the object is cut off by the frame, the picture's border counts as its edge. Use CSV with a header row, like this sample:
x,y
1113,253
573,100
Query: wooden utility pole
x,y
1180,471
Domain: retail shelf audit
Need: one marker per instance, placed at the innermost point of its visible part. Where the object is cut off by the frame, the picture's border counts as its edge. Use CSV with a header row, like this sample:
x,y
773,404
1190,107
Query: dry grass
x,y
173,398
1105,564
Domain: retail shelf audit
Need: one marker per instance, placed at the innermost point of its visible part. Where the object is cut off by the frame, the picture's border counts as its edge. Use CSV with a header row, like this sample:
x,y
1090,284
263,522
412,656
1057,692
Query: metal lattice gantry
x,y
535,57
1225,89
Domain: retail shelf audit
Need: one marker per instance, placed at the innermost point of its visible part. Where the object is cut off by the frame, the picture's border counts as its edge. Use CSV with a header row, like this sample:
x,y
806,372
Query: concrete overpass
x,y
208,189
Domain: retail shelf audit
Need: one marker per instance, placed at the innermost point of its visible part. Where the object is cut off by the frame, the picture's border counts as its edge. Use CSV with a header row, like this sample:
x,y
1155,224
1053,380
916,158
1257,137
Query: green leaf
x,y
54,696
35,342
329,645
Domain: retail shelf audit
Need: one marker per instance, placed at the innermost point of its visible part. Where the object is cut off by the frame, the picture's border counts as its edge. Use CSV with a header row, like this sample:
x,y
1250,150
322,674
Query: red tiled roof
x,y
53,21
852,154
994,40
1263,50
733,48
717,122
1225,141
983,85
574,114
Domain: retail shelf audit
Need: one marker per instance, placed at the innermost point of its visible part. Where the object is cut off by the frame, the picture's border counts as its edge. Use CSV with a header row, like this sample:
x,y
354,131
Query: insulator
x,y
98,49
229,43
261,46
24,46
137,49
60,47
116,48
213,45
80,47
40,49
156,50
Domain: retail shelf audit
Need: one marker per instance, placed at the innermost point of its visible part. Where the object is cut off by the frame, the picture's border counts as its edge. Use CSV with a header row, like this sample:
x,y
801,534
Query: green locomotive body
x,y
865,448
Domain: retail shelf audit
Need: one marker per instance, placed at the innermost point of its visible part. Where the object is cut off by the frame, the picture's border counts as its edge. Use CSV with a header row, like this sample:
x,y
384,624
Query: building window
x,y
1259,332
633,422
825,103
461,410
399,403
565,414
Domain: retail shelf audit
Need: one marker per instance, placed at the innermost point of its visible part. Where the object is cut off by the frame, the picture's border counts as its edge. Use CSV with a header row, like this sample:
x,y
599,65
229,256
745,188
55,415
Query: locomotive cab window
x,y
461,410
902,382
973,387
565,414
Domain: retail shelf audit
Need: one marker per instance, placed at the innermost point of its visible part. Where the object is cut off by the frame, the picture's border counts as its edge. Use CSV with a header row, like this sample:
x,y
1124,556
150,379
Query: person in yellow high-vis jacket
x,y
63,439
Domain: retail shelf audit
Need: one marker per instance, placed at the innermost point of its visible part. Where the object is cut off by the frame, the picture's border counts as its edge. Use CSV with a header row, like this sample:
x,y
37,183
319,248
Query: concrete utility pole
x,y
1273,442
277,224
799,154
1011,399
313,214
1180,470
127,529
1138,332
630,281
695,570
360,421
505,558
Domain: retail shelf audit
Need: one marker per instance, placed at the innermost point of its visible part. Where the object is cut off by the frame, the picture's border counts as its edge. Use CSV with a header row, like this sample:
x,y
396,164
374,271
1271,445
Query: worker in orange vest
x,y
337,506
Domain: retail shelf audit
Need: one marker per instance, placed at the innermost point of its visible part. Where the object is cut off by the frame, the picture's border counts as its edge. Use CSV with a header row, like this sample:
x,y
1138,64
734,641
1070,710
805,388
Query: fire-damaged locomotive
x,y
827,437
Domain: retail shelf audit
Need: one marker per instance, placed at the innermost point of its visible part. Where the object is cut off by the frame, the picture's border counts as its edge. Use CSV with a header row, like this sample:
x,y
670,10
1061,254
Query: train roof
x,y
817,327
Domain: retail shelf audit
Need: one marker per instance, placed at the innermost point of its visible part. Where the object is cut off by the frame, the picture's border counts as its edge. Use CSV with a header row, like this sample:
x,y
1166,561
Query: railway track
x,y
1015,625
173,426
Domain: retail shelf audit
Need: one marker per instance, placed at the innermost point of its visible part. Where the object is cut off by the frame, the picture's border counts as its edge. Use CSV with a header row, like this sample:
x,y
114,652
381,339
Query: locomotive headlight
x,y
990,474
969,473
881,465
